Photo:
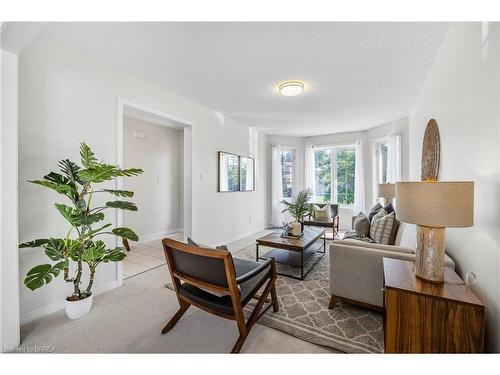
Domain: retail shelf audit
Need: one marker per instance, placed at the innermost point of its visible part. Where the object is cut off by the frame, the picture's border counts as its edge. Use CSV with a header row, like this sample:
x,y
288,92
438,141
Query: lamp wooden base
x,y
429,256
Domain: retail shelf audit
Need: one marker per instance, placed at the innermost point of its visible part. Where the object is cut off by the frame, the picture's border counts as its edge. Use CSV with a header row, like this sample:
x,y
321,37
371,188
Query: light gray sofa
x,y
356,271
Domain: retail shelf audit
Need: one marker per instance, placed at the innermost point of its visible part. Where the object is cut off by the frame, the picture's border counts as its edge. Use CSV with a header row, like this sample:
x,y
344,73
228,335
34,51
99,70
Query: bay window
x,y
322,176
381,160
287,175
334,174
345,162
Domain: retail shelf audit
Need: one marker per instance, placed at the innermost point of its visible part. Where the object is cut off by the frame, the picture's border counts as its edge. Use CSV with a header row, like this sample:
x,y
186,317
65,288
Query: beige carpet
x,y
129,320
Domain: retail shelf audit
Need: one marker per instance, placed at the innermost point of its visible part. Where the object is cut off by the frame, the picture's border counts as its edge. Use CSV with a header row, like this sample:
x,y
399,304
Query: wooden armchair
x,y
333,223
217,283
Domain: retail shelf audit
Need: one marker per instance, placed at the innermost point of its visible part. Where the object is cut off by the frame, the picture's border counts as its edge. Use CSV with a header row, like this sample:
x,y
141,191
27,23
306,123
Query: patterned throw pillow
x,y
381,229
375,209
361,225
381,213
389,208
321,214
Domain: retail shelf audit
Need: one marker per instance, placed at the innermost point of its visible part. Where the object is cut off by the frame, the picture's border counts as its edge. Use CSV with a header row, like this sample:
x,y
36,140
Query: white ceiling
x,y
357,75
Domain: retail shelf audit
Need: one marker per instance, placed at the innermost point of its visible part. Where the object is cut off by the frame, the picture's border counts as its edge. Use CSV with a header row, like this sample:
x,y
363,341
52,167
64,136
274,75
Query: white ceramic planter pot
x,y
296,228
78,309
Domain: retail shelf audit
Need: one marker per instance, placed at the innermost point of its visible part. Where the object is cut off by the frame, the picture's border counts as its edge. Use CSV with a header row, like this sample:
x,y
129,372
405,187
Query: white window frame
x,y
377,164
333,169
335,179
293,149
332,151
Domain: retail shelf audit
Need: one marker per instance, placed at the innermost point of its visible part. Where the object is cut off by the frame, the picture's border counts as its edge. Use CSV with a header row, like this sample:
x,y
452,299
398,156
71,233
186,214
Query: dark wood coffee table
x,y
295,252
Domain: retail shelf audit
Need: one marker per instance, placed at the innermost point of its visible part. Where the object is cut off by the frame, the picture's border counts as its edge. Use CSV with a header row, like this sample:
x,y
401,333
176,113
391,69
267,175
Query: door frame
x,y
187,193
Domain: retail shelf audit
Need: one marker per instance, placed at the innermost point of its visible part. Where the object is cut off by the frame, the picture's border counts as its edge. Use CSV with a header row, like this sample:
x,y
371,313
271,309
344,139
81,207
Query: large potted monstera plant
x,y
82,243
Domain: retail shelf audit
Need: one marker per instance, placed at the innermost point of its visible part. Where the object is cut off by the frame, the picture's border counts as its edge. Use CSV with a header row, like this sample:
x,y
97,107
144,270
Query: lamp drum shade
x,y
437,204
387,191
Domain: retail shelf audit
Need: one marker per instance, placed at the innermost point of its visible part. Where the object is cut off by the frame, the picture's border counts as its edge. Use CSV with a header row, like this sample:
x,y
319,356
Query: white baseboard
x,y
59,305
157,235
239,237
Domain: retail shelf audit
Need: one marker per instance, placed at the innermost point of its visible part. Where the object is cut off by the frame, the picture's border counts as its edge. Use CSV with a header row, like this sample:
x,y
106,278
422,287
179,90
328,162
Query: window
x,y
381,156
345,158
322,175
334,169
287,173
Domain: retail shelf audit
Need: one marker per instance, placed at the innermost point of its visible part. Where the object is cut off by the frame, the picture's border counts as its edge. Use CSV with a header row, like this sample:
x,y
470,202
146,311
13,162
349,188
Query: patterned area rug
x,y
304,311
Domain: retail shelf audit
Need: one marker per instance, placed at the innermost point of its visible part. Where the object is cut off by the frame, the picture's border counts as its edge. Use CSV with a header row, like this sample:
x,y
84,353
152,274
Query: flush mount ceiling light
x,y
291,88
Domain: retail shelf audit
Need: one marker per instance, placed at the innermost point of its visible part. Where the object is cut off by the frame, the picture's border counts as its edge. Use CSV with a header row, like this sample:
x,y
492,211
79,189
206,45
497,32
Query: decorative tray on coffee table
x,y
291,237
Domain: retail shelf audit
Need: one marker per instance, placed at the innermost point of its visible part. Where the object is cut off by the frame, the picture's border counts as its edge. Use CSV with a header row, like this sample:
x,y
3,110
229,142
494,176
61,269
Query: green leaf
x,y
69,214
120,193
59,183
125,233
89,219
114,255
70,169
88,158
81,204
42,274
130,172
34,243
123,205
104,172
94,252
78,218
99,173
54,249
73,248
95,231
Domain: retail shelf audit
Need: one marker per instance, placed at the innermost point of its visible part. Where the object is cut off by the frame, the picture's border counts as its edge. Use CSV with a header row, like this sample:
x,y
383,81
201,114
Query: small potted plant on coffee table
x,y
298,208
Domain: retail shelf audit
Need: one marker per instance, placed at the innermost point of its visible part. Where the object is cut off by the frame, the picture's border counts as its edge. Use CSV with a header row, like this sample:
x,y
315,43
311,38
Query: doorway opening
x,y
160,144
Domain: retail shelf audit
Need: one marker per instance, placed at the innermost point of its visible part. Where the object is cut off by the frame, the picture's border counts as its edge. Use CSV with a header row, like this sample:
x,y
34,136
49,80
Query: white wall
x,y
368,137
462,94
9,254
67,97
158,190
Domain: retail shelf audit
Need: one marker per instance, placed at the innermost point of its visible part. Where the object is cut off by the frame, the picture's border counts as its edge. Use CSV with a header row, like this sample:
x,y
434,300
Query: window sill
x,y
344,207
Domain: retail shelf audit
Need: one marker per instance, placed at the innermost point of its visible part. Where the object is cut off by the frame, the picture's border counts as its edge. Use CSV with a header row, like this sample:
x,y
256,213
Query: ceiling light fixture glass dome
x,y
291,88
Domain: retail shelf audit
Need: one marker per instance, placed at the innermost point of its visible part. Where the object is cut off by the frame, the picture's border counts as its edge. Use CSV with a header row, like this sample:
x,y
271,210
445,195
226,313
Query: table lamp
x,y
433,206
387,192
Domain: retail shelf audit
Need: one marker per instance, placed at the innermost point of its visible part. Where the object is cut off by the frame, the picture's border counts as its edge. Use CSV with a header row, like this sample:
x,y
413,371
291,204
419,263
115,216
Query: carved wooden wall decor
x,y
431,152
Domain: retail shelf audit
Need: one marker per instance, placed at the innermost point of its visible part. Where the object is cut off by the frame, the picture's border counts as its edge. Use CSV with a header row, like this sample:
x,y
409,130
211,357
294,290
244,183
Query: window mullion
x,y
333,166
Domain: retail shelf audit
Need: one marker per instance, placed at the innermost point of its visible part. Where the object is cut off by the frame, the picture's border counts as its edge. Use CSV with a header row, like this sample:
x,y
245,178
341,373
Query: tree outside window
x,y
287,173
323,176
345,169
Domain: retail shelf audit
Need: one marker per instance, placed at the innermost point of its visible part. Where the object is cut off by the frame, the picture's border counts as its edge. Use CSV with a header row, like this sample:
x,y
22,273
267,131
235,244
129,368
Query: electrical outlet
x,y
249,218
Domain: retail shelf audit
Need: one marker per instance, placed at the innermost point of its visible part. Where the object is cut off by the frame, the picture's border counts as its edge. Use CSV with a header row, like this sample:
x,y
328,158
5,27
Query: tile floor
x,y
144,256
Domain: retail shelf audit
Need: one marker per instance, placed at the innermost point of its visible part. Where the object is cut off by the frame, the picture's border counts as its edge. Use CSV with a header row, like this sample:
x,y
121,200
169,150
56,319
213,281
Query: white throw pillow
x,y
322,214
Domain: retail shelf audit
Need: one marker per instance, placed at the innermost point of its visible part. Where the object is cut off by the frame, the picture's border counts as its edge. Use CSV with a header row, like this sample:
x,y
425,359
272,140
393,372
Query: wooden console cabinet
x,y
423,317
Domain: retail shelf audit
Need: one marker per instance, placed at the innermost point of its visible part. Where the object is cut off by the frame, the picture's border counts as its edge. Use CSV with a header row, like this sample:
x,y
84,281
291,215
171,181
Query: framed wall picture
x,y
229,172
247,173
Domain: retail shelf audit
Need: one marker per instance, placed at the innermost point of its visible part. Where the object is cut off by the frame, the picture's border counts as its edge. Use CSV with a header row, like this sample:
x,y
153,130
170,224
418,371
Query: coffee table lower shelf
x,y
296,259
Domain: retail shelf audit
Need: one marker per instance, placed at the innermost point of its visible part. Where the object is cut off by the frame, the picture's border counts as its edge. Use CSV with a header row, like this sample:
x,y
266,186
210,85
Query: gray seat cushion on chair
x,y
224,304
